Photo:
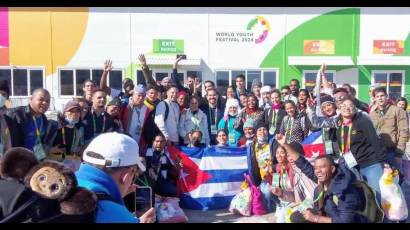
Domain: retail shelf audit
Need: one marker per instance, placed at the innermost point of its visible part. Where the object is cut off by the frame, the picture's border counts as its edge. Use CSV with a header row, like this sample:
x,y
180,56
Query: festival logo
x,y
261,24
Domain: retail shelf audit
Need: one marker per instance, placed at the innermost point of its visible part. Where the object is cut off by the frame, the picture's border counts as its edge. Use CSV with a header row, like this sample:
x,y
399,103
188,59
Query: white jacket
x,y
168,128
187,124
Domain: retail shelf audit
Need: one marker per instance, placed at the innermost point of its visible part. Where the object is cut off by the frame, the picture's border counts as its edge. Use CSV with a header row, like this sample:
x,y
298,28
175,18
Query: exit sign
x,y
168,45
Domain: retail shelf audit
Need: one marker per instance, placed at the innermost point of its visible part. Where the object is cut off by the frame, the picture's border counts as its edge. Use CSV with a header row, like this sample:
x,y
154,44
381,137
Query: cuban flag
x,y
313,146
210,177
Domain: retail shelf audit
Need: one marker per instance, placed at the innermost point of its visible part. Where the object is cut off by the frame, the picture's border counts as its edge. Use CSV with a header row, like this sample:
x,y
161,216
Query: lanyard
x,y
345,146
95,126
289,127
320,196
215,115
195,119
144,182
274,117
38,132
64,138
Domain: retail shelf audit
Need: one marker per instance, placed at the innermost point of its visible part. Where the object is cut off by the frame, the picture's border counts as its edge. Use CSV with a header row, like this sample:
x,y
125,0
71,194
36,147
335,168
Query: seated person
x,y
162,170
336,198
222,138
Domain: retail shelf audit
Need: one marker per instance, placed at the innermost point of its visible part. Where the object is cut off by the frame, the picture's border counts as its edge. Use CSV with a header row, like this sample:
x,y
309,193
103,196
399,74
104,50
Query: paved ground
x,y
224,216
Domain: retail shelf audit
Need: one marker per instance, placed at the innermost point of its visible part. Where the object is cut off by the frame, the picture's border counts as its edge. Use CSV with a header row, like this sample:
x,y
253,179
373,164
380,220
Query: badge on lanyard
x,y
214,130
39,151
1,150
329,147
272,130
350,160
284,181
163,160
138,130
231,138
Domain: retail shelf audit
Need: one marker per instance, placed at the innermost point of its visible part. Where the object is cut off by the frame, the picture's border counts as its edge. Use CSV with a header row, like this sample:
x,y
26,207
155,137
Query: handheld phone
x,y
182,55
275,180
143,199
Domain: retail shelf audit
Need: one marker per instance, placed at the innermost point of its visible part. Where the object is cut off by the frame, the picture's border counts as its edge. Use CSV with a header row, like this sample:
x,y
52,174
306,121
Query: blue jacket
x,y
229,128
343,199
108,211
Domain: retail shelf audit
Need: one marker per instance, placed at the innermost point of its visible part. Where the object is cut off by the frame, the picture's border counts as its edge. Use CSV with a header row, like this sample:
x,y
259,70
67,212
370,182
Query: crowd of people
x,y
112,145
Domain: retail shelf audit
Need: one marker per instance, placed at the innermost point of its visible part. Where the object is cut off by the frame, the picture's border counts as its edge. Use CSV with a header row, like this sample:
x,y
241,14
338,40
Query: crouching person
x,y
162,171
336,198
259,157
110,165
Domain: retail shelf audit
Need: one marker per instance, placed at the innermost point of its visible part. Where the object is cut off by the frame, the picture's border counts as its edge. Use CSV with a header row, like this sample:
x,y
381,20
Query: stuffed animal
x,y
49,180
52,180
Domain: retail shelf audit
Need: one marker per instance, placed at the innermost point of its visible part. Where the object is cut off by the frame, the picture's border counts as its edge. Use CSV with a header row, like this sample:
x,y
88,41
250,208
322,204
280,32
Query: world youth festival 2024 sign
x,y
256,32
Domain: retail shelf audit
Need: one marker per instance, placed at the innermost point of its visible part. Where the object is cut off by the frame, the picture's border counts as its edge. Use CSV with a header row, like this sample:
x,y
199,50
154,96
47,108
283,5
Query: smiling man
x,y
31,129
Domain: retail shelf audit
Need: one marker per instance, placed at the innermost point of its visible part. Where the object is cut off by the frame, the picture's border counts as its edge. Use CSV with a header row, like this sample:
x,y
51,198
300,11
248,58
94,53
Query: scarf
x,y
276,106
288,169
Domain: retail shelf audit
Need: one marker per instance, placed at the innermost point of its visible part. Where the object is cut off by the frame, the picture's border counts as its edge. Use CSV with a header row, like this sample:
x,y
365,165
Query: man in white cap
x,y
264,102
110,165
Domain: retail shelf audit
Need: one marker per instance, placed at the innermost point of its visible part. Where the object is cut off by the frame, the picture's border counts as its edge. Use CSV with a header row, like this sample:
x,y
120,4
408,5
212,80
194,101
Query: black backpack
x,y
150,129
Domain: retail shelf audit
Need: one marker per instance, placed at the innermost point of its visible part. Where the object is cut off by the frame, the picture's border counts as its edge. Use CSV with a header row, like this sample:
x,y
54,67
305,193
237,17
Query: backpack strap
x,y
166,110
20,210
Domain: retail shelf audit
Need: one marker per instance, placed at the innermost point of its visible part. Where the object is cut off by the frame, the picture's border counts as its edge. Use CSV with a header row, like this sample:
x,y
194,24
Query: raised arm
x,y
174,75
103,81
149,80
299,160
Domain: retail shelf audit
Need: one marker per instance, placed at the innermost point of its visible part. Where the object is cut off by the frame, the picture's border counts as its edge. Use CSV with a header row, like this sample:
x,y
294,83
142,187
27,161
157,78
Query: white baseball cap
x,y
117,149
266,89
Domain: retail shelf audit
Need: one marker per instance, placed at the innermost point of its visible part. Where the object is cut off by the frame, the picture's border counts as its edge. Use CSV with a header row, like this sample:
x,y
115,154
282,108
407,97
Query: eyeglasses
x,y
339,98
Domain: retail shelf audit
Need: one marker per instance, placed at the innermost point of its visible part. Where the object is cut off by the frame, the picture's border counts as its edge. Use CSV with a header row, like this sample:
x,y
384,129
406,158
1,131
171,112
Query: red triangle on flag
x,y
191,176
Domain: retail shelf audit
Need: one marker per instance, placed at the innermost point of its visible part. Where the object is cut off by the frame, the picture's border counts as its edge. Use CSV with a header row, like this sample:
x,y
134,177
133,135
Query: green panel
x,y
168,46
341,26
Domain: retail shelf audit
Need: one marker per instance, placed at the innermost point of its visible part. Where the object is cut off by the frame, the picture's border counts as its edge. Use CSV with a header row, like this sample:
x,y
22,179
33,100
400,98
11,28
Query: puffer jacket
x,y
393,127
342,200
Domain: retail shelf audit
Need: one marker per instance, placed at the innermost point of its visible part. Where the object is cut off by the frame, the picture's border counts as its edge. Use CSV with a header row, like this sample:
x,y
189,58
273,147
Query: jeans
x,y
269,198
372,175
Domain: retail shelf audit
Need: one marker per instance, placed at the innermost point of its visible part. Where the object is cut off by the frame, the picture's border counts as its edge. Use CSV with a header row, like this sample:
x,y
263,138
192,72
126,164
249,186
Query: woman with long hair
x,y
251,111
295,126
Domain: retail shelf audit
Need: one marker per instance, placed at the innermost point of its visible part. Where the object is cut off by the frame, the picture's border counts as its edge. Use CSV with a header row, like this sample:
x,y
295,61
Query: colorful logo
x,y
261,22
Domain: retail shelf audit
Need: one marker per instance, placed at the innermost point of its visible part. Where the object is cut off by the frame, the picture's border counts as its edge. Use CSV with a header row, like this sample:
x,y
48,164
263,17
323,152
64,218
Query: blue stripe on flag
x,y
206,203
311,138
213,152
223,176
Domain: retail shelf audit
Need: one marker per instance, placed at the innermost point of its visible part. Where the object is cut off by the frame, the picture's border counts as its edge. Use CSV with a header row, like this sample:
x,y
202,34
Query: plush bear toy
x,y
50,181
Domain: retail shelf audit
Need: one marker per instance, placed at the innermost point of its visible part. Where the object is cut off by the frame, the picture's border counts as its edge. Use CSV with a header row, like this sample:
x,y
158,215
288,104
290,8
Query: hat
x,y
256,82
249,123
140,89
118,150
4,85
71,105
261,124
166,78
266,89
114,101
326,99
181,93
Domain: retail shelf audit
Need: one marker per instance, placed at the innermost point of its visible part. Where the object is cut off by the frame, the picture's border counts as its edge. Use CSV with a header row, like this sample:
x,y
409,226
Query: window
x,y
224,78
309,78
71,80
22,81
140,77
392,80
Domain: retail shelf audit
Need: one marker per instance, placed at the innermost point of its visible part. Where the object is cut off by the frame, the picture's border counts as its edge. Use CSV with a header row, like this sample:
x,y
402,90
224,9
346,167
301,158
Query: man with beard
x,y
127,83
97,121
31,129
162,170
113,109
214,113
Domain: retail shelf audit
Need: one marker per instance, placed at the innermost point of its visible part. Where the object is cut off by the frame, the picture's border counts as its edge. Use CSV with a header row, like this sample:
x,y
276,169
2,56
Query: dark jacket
x,y
103,123
253,168
268,118
366,146
210,115
177,83
361,105
14,194
343,199
19,117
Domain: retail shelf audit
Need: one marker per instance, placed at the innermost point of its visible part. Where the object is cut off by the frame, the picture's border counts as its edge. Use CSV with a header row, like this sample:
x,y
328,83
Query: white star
x,y
183,175
315,154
